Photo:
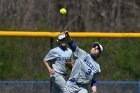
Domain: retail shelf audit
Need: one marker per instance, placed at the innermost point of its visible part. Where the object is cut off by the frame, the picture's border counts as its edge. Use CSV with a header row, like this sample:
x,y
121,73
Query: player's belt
x,y
74,81
81,84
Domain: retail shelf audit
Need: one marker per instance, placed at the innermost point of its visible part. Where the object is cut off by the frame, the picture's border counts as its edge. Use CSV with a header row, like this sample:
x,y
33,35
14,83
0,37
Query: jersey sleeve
x,y
93,82
72,45
52,55
77,52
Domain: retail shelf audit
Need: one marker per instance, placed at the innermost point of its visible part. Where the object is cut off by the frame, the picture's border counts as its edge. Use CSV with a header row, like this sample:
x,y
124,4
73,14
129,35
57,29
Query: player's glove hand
x,y
68,38
69,64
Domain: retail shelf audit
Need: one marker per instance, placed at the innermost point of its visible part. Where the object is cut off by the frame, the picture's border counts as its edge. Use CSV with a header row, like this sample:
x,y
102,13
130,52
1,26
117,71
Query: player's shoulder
x,y
98,66
69,49
96,63
54,49
78,49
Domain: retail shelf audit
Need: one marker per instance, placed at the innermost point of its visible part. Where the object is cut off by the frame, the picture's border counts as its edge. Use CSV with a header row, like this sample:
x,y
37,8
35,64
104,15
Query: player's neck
x,y
93,56
64,48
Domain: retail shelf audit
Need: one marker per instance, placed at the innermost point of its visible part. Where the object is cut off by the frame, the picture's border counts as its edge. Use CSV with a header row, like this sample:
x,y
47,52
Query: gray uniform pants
x,y
57,83
74,88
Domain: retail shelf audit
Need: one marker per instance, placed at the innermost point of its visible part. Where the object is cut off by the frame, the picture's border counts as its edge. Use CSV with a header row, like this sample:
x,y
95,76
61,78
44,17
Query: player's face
x,y
63,44
95,51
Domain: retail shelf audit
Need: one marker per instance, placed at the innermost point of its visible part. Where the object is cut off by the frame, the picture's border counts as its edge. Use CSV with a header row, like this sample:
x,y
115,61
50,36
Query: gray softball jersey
x,y
58,57
85,68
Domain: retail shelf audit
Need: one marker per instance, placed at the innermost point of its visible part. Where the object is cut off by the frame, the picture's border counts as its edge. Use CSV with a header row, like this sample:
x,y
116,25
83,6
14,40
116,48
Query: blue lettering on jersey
x,y
86,61
61,58
89,64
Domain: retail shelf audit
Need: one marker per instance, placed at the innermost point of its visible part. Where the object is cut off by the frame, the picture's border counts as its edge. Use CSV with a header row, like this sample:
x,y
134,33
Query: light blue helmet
x,y
61,37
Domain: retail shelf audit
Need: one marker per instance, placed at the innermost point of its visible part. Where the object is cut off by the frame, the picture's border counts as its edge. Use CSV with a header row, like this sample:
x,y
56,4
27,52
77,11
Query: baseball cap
x,y
61,37
100,47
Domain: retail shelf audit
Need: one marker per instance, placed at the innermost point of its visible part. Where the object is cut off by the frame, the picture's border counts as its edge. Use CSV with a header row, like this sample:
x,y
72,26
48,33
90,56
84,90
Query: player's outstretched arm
x,y
71,43
68,38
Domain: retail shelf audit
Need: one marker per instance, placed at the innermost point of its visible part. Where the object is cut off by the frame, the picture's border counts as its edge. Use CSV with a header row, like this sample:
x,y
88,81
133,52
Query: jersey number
x,y
88,72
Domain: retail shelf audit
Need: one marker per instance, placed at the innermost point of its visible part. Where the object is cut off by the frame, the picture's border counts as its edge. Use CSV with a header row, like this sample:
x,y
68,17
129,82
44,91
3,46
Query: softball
x,y
63,11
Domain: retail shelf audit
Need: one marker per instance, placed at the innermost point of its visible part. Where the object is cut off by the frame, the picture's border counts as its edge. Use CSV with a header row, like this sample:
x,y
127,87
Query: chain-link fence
x,y
22,69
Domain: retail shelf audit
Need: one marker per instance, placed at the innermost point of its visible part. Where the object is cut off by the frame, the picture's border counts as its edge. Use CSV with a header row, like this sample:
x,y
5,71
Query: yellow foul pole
x,y
73,34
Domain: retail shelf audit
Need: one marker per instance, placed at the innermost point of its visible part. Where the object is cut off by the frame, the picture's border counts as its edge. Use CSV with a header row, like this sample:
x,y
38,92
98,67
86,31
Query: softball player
x,y
57,57
85,69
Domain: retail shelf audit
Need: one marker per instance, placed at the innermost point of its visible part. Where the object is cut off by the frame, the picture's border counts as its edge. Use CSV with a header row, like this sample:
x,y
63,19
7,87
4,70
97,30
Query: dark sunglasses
x,y
97,47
